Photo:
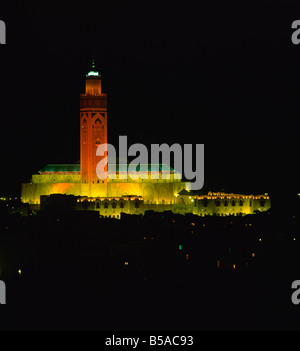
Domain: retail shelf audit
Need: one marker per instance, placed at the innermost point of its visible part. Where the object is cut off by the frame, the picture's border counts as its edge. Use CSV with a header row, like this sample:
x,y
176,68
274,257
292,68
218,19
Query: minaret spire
x,y
93,64
93,71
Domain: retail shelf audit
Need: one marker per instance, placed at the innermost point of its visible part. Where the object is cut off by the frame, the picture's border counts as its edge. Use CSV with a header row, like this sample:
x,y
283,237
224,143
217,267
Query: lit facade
x,y
113,196
224,204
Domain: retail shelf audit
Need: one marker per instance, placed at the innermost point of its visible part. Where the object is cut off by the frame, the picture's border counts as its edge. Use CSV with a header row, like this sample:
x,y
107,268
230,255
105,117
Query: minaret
x,y
93,127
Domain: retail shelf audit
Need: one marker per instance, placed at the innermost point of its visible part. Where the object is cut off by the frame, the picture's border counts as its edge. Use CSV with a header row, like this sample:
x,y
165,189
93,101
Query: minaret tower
x,y
93,128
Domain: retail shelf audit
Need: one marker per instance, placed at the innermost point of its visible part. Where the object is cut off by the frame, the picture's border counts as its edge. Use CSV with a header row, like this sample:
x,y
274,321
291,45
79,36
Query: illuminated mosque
x,y
115,195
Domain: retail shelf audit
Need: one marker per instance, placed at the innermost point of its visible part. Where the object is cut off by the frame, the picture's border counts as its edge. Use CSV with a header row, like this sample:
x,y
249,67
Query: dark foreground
x,y
158,272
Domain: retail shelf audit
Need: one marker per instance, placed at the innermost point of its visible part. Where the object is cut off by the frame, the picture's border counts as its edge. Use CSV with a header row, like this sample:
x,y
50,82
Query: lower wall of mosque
x,y
113,199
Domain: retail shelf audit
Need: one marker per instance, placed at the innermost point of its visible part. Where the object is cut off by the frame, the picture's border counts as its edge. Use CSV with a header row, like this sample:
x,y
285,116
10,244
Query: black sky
x,y
226,75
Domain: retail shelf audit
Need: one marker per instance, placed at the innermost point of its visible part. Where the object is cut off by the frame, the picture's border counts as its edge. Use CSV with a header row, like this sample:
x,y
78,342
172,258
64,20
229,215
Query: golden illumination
x,y
81,179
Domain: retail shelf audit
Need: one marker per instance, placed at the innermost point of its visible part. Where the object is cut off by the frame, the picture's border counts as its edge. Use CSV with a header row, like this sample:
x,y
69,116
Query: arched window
x,y
98,123
205,202
262,202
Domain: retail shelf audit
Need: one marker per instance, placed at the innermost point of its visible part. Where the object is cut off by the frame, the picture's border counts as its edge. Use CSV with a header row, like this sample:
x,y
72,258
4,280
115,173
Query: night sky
x,y
226,75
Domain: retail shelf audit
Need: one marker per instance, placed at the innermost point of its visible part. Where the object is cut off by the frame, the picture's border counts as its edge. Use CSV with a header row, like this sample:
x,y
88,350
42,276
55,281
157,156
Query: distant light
x,y
180,247
259,239
19,271
294,239
253,254
126,263
233,266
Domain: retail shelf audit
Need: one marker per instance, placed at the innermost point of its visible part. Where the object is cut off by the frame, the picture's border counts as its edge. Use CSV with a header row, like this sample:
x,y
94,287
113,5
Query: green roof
x,y
93,72
61,168
119,167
